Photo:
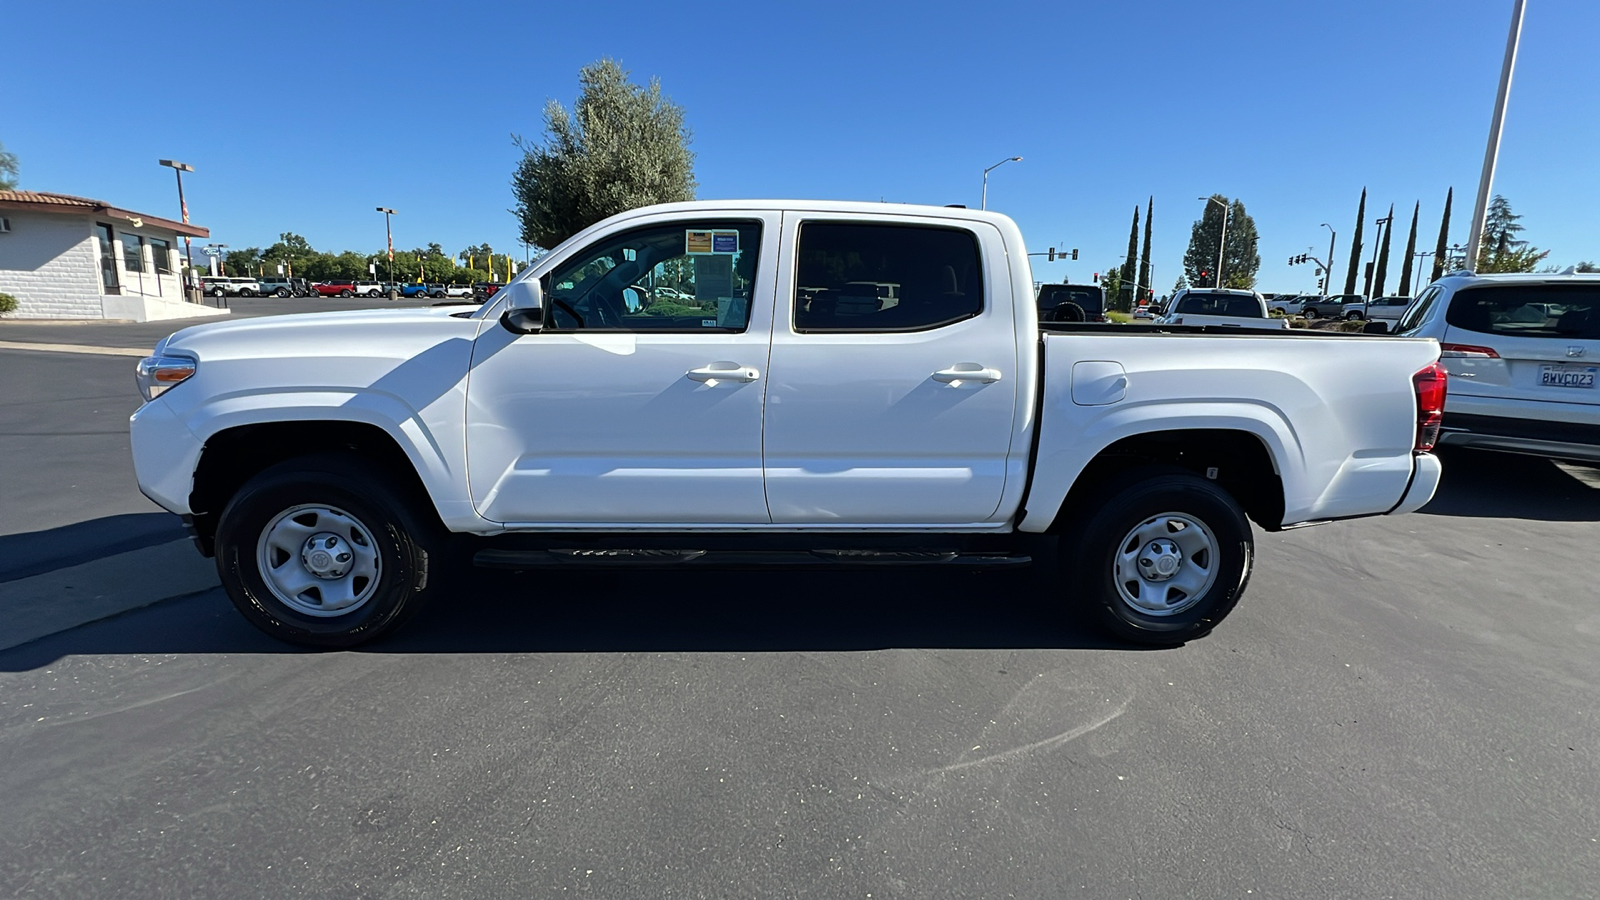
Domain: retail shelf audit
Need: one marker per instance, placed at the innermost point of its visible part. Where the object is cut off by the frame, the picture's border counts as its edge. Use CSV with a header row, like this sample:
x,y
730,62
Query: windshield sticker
x,y
696,242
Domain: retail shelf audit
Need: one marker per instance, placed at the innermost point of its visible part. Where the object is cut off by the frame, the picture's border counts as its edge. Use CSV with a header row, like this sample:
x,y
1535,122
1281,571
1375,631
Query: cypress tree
x,y
1382,271
1411,249
1355,246
1130,263
1444,235
1144,258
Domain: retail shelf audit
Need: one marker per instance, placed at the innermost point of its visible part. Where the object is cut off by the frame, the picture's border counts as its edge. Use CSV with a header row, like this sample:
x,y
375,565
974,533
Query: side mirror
x,y
524,307
1375,326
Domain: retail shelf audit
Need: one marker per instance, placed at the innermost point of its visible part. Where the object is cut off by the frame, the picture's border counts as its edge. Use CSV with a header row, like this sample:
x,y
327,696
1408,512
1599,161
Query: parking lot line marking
x,y
73,348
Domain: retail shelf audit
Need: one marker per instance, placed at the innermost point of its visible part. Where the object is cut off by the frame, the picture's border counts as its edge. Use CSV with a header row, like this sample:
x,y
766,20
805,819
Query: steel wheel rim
x,y
325,585
1165,564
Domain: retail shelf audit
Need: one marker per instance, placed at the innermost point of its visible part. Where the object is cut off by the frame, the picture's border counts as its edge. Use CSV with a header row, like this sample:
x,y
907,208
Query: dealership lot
x,y
1400,707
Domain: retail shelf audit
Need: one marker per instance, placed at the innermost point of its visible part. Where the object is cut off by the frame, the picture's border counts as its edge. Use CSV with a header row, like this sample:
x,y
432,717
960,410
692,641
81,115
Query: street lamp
x,y
1224,242
389,236
984,204
178,168
1327,270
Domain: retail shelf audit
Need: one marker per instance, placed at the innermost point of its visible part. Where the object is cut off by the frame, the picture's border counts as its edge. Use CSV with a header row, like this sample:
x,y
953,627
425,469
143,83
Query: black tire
x,y
282,293
409,547
346,293
1309,313
1068,312
1090,552
246,292
215,292
1353,316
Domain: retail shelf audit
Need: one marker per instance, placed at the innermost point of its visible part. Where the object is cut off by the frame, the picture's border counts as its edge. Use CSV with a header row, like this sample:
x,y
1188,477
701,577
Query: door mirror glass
x,y
1375,326
524,307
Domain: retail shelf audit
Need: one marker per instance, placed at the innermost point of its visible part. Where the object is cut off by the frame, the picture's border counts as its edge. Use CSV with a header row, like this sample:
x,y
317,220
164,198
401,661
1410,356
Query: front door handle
x,y
963,372
724,371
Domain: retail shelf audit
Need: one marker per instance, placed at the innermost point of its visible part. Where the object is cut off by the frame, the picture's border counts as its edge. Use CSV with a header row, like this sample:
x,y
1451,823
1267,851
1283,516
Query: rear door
x,y
897,413
1546,337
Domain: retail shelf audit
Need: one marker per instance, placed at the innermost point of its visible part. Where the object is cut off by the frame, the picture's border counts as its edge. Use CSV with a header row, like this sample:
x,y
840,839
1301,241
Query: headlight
x,y
156,374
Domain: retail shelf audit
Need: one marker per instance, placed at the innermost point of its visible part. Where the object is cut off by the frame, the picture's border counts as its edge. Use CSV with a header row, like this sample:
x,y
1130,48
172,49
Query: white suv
x,y
1523,353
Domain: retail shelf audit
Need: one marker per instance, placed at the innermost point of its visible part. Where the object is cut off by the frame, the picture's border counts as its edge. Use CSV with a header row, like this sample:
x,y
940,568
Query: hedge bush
x,y
8,304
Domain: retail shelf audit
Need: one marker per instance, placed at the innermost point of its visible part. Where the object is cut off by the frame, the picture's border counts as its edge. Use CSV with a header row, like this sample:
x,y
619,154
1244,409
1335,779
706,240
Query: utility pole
x,y
1226,209
984,204
178,169
1327,270
389,236
1372,266
1491,153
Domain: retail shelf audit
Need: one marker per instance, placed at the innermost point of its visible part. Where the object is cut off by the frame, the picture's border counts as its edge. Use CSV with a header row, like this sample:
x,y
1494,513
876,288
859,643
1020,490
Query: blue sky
x,y
305,116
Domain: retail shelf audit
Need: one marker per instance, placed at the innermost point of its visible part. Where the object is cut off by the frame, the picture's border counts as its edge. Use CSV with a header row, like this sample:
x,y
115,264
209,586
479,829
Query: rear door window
x,y
1559,311
920,277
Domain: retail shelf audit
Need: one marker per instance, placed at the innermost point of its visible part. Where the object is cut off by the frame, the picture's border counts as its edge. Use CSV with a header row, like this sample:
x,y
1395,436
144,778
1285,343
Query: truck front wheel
x,y
316,552
1163,560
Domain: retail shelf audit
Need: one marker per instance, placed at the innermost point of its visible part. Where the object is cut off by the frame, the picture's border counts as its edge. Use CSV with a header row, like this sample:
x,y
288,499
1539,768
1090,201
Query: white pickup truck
x,y
768,415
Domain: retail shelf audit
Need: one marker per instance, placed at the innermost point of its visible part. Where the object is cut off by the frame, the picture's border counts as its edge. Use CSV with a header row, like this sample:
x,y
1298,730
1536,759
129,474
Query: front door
x,y
640,401
893,382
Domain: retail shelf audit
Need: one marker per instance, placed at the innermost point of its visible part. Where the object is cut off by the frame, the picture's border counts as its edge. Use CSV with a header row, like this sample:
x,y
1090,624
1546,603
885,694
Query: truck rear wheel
x,y
1163,560
316,552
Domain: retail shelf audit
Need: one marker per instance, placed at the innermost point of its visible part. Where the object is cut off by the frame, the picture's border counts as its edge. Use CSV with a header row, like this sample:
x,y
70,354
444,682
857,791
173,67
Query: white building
x,y
67,257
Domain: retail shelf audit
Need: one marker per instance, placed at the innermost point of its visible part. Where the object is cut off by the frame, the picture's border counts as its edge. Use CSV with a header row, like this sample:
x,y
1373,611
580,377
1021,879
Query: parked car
x,y
1288,304
483,290
1338,306
1220,306
746,436
1387,309
218,286
371,288
1524,355
1144,312
1055,302
285,287
336,288
459,291
416,290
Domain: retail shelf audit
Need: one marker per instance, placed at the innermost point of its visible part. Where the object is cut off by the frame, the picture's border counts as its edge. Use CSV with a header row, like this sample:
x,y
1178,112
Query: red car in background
x,y
335,288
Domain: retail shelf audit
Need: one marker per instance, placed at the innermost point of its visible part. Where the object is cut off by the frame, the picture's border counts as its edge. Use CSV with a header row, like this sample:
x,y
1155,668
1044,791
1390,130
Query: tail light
x,y
1466,351
1430,385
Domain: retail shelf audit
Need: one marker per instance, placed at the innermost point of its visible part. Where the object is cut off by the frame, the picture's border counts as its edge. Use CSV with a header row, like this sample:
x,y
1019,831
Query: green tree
x,y
8,169
1441,249
1587,266
1145,288
1240,259
621,147
1501,250
1355,246
1111,283
1411,249
1130,264
246,261
1381,273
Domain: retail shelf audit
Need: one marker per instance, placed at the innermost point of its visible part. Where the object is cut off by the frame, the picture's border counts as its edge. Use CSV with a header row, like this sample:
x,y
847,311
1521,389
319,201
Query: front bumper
x,y
165,454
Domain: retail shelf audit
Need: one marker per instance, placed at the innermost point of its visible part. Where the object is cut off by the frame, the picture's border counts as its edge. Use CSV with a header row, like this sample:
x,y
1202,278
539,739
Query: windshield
x,y
1235,305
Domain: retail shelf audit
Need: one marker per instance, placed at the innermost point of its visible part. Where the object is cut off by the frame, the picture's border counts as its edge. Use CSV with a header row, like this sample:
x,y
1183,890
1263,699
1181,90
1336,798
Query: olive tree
x,y
621,146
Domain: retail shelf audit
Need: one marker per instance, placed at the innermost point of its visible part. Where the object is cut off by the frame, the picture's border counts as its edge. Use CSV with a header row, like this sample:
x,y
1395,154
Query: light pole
x,y
1372,267
984,204
1492,152
1327,270
1224,242
178,169
1420,255
389,236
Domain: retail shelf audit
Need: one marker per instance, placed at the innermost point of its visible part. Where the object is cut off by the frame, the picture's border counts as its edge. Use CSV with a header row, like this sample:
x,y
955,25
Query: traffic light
x,y
1074,252
1097,278
1052,257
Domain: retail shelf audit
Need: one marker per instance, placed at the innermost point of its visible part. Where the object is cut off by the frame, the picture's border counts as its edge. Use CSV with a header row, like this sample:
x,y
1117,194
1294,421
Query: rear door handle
x,y
724,371
963,372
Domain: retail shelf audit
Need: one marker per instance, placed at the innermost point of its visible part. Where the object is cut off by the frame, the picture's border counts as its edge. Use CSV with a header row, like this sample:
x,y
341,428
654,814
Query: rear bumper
x,y
1424,481
1537,437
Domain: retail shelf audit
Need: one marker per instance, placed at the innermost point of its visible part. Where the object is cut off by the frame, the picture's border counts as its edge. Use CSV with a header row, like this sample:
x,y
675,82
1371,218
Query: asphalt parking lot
x,y
1399,708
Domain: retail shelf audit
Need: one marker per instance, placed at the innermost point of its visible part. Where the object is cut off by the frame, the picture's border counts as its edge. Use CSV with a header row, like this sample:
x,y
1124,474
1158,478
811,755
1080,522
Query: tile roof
x,y
16,199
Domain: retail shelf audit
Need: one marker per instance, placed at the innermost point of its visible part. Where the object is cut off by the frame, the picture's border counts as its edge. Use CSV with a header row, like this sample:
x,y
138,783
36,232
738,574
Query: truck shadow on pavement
x,y
609,611
1481,484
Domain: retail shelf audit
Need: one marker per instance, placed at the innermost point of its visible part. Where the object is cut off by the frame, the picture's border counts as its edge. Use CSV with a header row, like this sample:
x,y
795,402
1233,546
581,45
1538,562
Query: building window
x,y
161,253
108,259
133,253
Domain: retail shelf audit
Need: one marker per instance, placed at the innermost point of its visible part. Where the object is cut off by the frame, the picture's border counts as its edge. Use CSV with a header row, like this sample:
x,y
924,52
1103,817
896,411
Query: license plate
x,y
1567,376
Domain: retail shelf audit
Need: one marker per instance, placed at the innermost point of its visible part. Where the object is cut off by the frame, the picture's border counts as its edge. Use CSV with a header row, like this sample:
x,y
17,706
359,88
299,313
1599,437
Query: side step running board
x,y
564,558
